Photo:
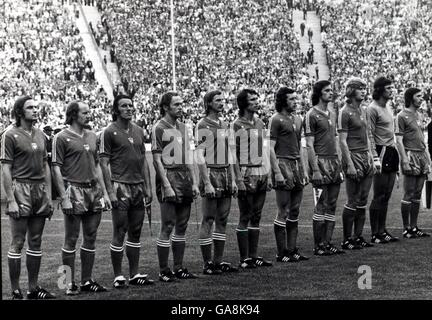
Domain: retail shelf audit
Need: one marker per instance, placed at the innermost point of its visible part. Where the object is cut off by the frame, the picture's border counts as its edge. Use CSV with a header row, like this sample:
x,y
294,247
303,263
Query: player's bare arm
x,y
160,171
204,173
13,210
351,172
100,179
58,179
106,172
316,173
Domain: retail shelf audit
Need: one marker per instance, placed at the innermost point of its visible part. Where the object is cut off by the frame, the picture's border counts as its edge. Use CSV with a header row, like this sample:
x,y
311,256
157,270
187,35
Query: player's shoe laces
x,y
390,238
226,267
333,249
140,280
166,276
409,234
247,263
284,258
92,286
321,251
379,239
39,294
183,273
17,295
350,244
420,233
297,256
261,262
120,282
211,269
363,243
72,289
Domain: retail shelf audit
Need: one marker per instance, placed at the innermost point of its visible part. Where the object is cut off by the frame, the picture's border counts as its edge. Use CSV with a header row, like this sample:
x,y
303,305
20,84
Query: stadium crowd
x,y
43,55
223,43
372,37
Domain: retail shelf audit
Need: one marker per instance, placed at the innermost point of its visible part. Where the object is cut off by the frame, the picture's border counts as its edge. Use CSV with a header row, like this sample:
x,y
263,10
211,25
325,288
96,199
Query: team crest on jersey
x,y
131,140
34,146
86,147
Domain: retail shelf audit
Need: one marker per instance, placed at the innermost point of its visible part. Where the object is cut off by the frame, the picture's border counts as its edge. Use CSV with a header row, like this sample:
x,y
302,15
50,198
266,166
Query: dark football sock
x,y
243,243
280,236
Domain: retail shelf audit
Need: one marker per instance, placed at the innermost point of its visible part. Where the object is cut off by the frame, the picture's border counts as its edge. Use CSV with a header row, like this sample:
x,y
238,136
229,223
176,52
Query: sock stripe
x,y
34,253
163,243
279,223
68,251
292,220
115,248
415,200
177,238
205,242
241,230
348,208
362,207
13,255
329,217
88,250
253,228
133,245
219,236
318,217
405,202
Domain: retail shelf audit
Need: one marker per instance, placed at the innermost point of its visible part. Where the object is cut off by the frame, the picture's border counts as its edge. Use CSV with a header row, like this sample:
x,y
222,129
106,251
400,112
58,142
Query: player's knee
x,y
208,221
90,237
255,219
34,242
70,242
166,229
17,244
134,233
243,222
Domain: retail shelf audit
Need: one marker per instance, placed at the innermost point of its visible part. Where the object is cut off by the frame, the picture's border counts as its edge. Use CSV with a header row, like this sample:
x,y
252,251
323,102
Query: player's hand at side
x,y
289,180
107,202
234,189
406,168
317,178
195,191
305,179
66,205
113,200
169,194
279,180
209,190
351,172
269,183
50,209
377,165
241,193
13,210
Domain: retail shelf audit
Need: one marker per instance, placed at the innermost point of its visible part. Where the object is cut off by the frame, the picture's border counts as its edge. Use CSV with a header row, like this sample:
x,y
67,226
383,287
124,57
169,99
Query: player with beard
x,y
176,185
386,158
127,179
323,154
357,163
217,183
79,180
415,161
27,182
